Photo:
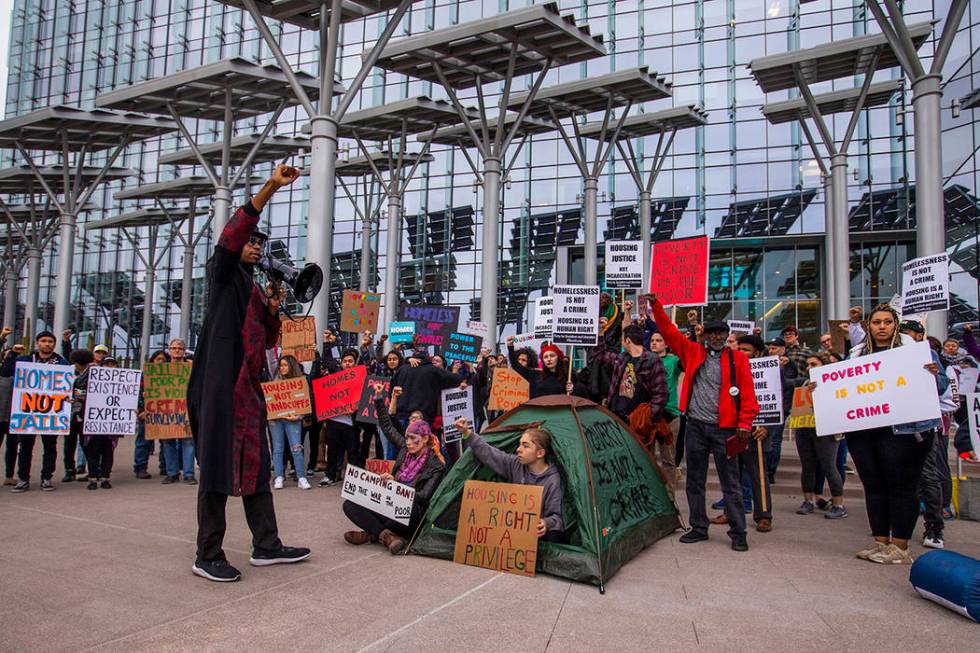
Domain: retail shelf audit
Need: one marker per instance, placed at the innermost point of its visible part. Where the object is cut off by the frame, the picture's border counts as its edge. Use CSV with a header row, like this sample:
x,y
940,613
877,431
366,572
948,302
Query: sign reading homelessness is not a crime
x,y
883,389
111,401
387,498
39,404
576,319
925,284
768,390
624,264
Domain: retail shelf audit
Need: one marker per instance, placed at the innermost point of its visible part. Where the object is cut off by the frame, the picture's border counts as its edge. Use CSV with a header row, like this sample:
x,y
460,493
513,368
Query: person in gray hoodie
x,y
529,467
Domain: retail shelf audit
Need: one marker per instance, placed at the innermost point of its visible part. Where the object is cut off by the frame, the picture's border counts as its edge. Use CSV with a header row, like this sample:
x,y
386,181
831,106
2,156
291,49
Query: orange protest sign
x,y
508,390
838,335
679,271
360,311
801,412
299,338
379,466
497,527
287,398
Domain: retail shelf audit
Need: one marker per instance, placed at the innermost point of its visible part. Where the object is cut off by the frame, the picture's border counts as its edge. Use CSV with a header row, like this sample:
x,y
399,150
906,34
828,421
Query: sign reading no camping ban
x,y
624,264
925,284
576,320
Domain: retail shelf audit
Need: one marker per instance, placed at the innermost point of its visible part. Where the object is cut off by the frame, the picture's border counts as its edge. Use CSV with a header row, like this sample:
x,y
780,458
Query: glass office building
x,y
753,187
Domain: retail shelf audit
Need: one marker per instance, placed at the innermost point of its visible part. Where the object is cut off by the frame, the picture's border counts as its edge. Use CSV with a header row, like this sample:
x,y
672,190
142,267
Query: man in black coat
x,y
224,396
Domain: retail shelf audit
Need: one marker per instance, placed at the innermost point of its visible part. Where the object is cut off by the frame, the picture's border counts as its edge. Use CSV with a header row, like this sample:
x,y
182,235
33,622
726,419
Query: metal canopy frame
x,y
307,13
74,135
33,227
927,95
573,101
664,124
861,55
225,91
528,41
152,219
273,148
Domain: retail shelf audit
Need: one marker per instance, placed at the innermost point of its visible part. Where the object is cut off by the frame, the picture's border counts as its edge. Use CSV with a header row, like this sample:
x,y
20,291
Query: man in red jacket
x,y
718,397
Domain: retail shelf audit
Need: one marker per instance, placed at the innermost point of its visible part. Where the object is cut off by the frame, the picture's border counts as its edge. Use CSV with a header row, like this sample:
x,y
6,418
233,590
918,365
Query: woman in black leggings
x,y
818,452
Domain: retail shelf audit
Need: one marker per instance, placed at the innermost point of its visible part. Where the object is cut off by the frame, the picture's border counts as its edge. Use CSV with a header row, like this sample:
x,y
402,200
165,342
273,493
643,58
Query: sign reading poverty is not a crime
x,y
624,264
338,393
165,400
497,526
287,398
576,319
925,284
111,401
883,389
456,403
679,271
387,498
374,386
768,390
39,402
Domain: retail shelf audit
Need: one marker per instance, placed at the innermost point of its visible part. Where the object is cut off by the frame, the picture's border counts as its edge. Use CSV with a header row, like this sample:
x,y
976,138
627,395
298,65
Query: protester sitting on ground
x,y
818,452
288,429
551,379
889,460
43,353
419,464
529,466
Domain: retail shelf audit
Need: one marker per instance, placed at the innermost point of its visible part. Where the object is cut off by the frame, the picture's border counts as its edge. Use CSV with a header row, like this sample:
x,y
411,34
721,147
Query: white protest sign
x,y
530,340
111,401
973,414
969,376
768,390
456,403
925,284
624,264
883,389
543,316
473,328
387,498
741,326
576,315
39,402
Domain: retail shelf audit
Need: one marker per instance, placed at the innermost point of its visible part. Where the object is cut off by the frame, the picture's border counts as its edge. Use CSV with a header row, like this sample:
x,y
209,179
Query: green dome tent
x,y
615,503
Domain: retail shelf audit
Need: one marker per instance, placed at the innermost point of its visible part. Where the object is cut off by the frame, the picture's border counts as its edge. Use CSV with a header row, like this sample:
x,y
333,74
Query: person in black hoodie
x,y
422,382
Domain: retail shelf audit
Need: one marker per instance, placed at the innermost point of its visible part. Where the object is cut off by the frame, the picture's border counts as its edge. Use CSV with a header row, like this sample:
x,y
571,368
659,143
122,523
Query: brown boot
x,y
397,545
358,538
720,519
386,537
764,525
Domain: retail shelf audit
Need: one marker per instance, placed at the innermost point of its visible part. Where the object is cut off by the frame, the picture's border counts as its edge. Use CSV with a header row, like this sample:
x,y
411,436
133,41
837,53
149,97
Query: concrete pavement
x,y
109,570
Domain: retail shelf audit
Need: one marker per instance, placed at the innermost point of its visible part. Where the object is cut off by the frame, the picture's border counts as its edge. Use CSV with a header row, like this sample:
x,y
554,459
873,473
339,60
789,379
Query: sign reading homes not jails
x,y
624,264
576,320
925,284
39,404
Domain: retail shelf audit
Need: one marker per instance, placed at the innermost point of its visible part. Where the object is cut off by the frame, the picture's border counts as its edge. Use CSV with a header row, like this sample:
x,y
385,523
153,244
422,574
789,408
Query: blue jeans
x,y
179,462
141,457
775,448
282,430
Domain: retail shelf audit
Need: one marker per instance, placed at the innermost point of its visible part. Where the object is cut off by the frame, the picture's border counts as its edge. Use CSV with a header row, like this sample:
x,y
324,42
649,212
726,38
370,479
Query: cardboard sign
x,y
401,332
39,403
373,386
576,320
299,338
433,324
387,498
768,390
287,398
624,264
801,412
925,284
745,327
475,329
508,390
838,336
360,311
462,347
679,271
543,316
377,466
883,389
165,400
111,401
338,393
497,527
456,403
973,415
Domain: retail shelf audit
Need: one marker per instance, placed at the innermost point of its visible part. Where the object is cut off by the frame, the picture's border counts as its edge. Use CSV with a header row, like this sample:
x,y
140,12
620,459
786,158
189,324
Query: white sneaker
x,y
303,483
278,483
933,541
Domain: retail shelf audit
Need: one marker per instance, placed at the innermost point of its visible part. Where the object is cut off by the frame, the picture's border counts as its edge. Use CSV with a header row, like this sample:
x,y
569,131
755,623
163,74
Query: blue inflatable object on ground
x,y
950,579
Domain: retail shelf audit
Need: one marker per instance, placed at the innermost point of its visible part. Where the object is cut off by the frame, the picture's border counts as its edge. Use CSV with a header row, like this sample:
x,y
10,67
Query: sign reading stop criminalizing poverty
x,y
576,320
624,264
111,401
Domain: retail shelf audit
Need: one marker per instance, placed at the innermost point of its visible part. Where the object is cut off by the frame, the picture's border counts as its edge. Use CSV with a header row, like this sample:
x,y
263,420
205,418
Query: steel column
x,y
187,280
148,283
319,233
366,250
66,256
221,204
10,295
645,229
827,310
591,258
33,292
393,248
490,251
838,237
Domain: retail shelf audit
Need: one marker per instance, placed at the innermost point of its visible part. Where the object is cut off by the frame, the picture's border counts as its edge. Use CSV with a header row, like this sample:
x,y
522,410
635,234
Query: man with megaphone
x,y
224,396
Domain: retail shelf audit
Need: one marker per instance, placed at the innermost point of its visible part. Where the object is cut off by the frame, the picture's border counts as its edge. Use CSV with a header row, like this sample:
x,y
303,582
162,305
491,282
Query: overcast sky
x,y
5,8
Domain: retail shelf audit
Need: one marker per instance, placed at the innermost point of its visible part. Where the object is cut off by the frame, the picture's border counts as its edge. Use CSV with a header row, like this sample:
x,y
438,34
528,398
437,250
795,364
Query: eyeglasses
x,y
256,242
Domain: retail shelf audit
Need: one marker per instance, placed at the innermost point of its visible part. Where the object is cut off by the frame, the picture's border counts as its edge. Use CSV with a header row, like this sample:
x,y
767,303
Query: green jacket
x,y
672,365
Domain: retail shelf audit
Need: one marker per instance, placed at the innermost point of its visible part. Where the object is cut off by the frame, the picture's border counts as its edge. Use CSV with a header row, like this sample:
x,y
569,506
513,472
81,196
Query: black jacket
x,y
428,479
541,383
421,386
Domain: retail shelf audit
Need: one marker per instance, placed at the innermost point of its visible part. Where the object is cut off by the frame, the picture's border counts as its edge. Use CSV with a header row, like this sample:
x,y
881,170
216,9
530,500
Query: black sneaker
x,y
327,482
47,485
217,570
693,536
167,480
740,543
190,480
69,477
284,555
92,485
80,473
105,484
22,486
143,474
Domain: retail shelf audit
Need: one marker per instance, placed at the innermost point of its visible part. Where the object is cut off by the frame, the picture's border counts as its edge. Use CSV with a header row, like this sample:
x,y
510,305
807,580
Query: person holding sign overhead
x,y
224,396
551,379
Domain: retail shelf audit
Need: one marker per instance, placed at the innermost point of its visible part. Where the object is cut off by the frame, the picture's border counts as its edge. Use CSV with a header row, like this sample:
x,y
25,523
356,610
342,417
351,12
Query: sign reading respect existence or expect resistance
x,y
111,401
768,390
679,271
883,389
387,498
39,403
925,284
576,320
624,264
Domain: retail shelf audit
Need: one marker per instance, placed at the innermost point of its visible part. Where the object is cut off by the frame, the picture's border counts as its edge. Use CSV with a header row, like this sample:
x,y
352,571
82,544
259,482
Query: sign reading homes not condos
x,y
576,320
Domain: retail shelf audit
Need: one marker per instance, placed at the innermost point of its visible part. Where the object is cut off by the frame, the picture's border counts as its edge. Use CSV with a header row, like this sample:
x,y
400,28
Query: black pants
x,y
935,472
312,432
889,466
99,455
341,440
10,453
71,444
760,481
373,523
818,451
369,434
49,457
701,441
259,513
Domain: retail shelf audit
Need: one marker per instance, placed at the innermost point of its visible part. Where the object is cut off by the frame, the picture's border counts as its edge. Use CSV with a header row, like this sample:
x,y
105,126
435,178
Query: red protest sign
x,y
679,271
338,393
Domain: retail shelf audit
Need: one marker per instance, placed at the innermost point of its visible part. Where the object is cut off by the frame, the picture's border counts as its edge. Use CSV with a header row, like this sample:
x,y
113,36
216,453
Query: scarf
x,y
411,467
